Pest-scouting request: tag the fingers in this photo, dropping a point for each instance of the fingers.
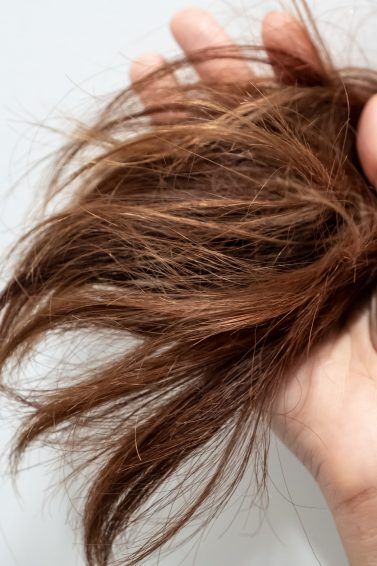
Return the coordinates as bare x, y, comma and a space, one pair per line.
145, 64
284, 34
194, 28
367, 139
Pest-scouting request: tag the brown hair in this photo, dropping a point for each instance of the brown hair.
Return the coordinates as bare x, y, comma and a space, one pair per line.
227, 240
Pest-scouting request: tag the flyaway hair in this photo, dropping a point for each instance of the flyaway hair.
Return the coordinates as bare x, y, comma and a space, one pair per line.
224, 241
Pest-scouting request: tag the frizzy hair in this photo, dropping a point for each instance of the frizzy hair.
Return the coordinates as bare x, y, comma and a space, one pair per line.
227, 239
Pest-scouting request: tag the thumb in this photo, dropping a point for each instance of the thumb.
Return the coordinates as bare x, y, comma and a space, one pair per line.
367, 139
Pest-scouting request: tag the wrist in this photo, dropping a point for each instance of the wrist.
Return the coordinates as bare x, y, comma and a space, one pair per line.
349, 486
351, 493
356, 521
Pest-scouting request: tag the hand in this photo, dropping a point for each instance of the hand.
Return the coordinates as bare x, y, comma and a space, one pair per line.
327, 413
194, 28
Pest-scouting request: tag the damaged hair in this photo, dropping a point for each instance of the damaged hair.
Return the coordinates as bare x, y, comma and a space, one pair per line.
224, 240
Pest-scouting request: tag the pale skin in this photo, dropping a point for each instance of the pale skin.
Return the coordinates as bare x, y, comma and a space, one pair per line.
327, 413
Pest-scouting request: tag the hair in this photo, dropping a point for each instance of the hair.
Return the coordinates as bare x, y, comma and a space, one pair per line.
223, 241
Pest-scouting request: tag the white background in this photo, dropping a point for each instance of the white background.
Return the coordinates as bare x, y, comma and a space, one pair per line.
57, 59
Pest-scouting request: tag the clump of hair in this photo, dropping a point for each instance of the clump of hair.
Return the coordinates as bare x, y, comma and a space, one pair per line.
227, 240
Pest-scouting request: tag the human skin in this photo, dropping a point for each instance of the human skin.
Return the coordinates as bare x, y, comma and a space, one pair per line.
327, 412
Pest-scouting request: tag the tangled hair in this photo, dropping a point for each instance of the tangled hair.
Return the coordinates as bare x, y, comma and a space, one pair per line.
224, 241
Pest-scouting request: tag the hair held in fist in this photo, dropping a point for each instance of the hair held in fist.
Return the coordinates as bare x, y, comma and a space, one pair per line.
222, 233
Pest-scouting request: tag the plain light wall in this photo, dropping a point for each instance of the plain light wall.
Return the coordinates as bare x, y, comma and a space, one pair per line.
57, 59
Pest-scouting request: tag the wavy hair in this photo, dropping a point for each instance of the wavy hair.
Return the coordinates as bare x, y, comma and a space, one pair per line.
224, 241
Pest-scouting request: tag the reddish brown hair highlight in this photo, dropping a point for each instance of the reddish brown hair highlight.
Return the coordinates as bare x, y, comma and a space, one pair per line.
229, 239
